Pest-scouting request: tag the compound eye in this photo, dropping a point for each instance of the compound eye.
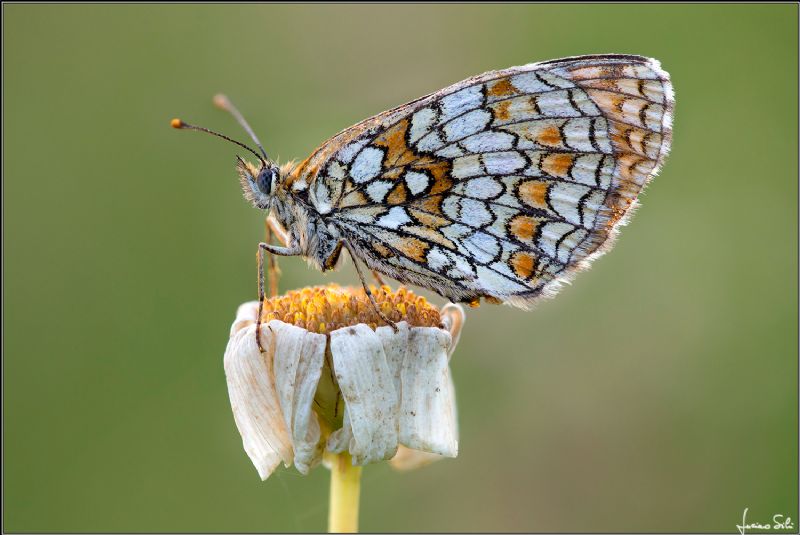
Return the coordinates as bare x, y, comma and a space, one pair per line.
264, 181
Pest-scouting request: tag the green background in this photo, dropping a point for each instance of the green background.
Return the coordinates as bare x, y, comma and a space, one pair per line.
658, 392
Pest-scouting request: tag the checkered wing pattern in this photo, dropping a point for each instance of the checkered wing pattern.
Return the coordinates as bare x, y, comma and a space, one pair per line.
503, 185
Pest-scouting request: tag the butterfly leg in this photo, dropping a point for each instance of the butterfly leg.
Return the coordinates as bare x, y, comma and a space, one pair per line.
274, 249
279, 231
275, 228
367, 291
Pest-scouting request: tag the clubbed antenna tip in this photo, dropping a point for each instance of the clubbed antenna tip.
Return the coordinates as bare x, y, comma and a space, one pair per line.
180, 125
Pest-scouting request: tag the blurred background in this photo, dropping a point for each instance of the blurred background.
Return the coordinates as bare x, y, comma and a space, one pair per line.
657, 393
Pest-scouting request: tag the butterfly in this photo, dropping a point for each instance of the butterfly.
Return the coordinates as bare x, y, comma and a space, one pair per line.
502, 186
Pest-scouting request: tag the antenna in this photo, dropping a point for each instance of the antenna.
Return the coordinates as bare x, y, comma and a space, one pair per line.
223, 102
180, 125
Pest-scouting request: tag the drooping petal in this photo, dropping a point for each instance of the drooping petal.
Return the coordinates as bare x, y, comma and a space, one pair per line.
395, 347
254, 400
453, 318
408, 459
427, 407
299, 355
367, 385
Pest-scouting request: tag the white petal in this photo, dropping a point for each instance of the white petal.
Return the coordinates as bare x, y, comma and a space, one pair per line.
395, 347
251, 388
427, 410
298, 359
367, 387
453, 318
408, 459
245, 315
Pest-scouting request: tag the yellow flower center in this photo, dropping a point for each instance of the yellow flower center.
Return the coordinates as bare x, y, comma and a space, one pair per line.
323, 309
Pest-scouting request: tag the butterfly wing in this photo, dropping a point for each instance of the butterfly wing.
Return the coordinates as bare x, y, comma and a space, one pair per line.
503, 185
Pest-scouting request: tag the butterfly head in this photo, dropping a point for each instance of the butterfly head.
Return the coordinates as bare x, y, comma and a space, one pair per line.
258, 183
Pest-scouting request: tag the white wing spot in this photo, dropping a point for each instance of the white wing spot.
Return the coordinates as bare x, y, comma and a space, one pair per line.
467, 166
396, 217
467, 124
503, 163
322, 197
496, 283
475, 212
450, 151
601, 135
456, 231
585, 169
346, 154
378, 189
463, 270
483, 187
590, 208
488, 141
570, 243
367, 165
551, 233
450, 207
437, 259
430, 142
584, 103
554, 80
576, 135
556, 104
529, 83
335, 170
564, 197
362, 214
481, 246
421, 123
416, 182
460, 102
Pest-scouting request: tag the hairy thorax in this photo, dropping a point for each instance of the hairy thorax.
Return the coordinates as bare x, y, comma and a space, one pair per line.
319, 240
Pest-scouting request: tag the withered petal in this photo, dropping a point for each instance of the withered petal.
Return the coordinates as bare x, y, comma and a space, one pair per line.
298, 359
367, 386
427, 408
254, 400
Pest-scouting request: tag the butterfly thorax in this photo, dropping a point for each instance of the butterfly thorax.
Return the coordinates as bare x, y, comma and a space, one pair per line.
319, 241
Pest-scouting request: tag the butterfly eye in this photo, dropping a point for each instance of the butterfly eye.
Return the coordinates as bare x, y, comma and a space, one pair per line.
264, 180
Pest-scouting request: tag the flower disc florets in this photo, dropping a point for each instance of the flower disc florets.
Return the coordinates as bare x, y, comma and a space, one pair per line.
323, 309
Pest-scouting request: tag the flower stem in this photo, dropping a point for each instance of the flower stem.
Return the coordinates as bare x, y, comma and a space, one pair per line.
345, 491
